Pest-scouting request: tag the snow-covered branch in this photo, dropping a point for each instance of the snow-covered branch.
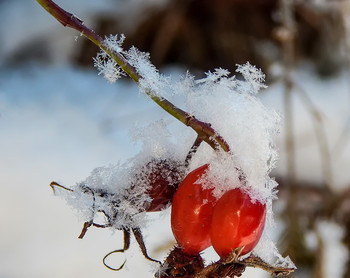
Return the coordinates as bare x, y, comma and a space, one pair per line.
203, 129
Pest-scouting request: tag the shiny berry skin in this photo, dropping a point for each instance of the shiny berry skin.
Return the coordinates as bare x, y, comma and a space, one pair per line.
191, 213
236, 222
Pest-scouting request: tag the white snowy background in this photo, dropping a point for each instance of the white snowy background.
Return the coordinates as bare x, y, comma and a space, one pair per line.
58, 122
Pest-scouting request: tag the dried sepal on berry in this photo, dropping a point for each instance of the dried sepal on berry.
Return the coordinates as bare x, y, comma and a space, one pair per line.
124, 193
161, 177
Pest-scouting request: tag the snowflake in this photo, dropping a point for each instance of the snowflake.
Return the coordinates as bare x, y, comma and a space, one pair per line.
105, 64
254, 76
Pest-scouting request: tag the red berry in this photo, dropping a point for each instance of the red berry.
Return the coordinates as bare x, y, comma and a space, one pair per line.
191, 213
236, 222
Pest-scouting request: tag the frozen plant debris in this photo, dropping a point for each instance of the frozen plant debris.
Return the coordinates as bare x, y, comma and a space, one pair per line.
124, 193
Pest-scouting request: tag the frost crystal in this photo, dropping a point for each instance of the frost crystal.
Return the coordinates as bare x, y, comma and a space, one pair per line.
151, 82
105, 64
254, 76
213, 77
107, 67
114, 43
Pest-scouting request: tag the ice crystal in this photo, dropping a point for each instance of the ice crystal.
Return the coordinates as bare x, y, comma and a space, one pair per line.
115, 43
105, 64
255, 77
151, 81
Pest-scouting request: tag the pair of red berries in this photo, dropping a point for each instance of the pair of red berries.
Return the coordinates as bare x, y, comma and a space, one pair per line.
198, 220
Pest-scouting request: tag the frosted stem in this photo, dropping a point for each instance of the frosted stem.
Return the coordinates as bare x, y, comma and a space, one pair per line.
204, 130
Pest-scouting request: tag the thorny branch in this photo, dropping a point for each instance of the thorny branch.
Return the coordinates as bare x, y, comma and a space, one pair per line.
204, 130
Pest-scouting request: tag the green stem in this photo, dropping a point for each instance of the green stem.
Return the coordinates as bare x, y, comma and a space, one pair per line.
204, 130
